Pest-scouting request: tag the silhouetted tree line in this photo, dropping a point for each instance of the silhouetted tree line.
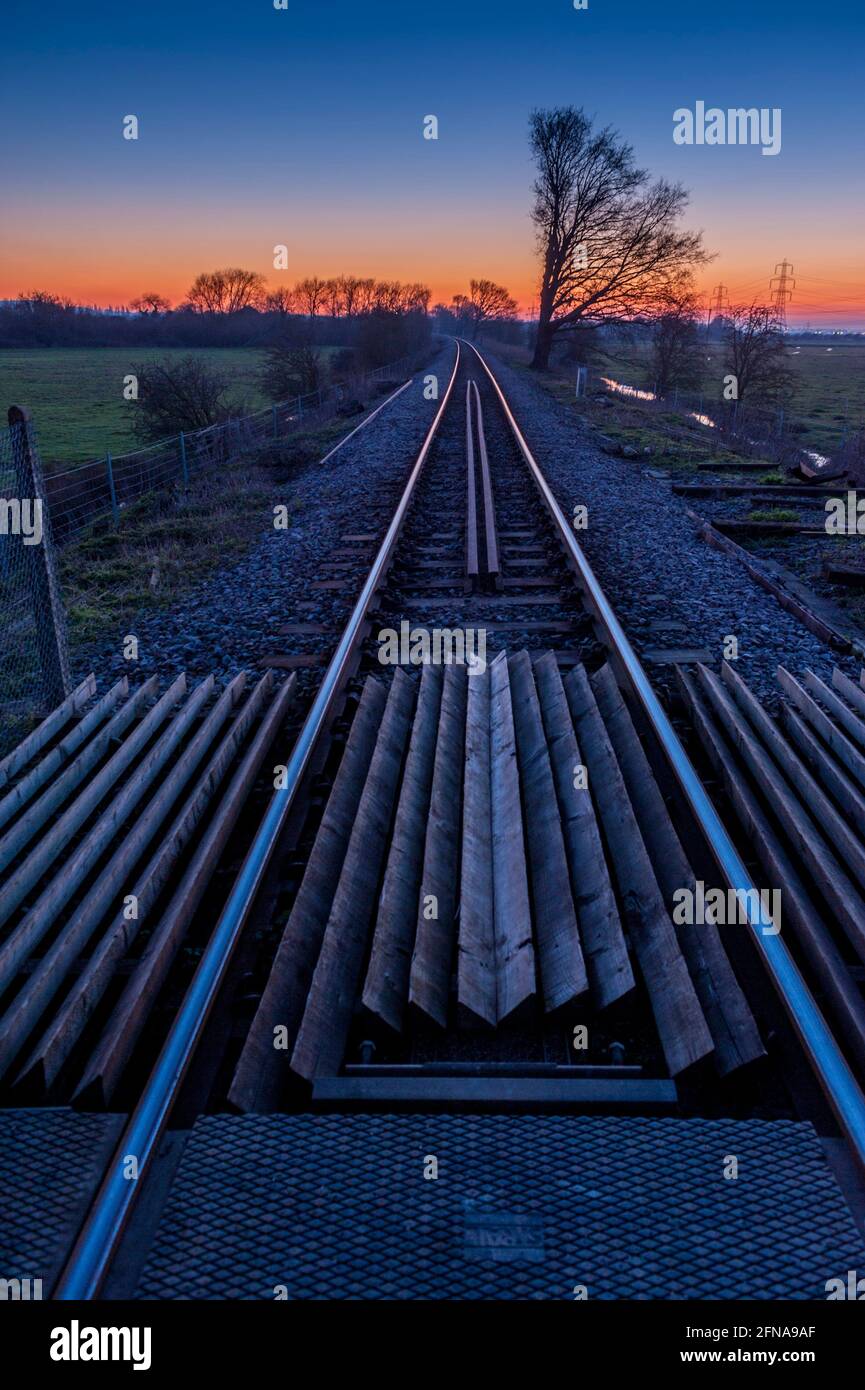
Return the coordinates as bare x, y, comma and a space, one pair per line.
231, 307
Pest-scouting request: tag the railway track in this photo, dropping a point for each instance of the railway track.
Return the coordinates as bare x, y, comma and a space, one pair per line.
455, 902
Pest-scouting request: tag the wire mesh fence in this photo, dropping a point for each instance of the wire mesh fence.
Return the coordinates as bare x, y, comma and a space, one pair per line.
77, 496
34, 666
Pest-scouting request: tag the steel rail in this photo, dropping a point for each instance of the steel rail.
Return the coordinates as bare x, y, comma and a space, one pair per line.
493, 566
89, 1261
828, 1062
472, 564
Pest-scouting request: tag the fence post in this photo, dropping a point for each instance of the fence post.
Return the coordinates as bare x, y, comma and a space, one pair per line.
114, 508
184, 470
49, 617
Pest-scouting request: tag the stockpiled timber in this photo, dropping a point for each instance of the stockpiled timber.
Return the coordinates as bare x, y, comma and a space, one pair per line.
821, 859
429, 979
479, 880
130, 1015
730, 1021
256, 1080
496, 975
600, 925
476, 960
109, 885
386, 987
512, 920
801, 807
327, 1016
129, 787
560, 958
681, 1025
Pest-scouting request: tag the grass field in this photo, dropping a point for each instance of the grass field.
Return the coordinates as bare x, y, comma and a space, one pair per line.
76, 394
829, 392
166, 544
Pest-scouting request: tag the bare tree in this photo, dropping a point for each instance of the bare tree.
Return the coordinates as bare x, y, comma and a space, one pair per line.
675, 344
486, 300
184, 394
309, 295
365, 296
45, 315
150, 303
334, 295
351, 295
387, 296
755, 353
415, 298
292, 364
608, 240
292, 367
226, 291
280, 302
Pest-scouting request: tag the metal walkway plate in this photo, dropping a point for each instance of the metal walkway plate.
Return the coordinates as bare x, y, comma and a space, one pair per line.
50, 1164
523, 1206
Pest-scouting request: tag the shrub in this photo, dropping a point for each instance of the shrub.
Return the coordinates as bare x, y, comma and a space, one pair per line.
291, 368
188, 394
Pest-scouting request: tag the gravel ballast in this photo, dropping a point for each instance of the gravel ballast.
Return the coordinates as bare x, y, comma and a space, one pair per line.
669, 589
230, 621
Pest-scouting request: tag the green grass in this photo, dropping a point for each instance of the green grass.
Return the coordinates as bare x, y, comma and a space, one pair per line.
772, 514
662, 438
165, 545
829, 388
76, 394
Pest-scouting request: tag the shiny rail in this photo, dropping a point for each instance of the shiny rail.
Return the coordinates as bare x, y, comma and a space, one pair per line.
103, 1227
85, 1270
827, 1061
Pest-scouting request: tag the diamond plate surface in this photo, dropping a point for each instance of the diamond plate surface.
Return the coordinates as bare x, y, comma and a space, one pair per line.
50, 1163
524, 1206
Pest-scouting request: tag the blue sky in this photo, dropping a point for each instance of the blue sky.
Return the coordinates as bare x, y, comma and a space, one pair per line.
303, 126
